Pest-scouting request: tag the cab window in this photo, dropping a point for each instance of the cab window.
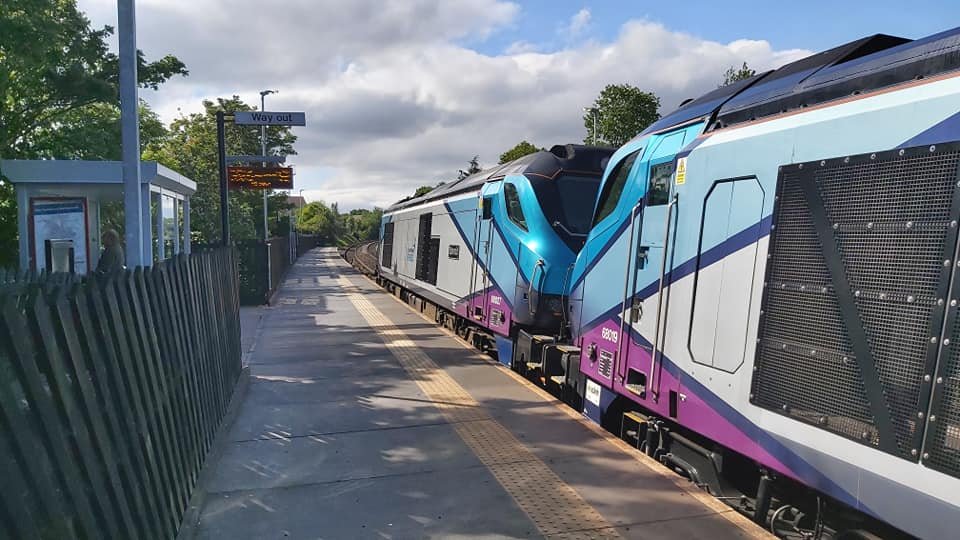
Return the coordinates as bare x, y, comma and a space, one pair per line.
658, 190
612, 190
514, 210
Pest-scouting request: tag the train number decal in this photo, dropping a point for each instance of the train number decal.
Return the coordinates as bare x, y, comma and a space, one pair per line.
496, 300
610, 335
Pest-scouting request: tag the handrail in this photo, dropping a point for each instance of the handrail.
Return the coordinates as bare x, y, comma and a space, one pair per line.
663, 272
568, 231
565, 297
530, 307
626, 285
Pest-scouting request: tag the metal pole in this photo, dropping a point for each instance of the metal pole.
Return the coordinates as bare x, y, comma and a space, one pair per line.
300, 217
130, 133
263, 152
224, 202
186, 225
176, 227
161, 237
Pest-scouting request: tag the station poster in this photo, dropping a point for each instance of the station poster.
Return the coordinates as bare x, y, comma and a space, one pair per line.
59, 219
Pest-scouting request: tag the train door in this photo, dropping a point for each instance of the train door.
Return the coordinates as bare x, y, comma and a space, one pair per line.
646, 300
480, 280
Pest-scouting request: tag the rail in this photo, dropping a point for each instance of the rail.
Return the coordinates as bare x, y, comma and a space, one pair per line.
363, 256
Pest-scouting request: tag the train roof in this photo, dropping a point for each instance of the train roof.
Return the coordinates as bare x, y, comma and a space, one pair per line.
575, 158
867, 64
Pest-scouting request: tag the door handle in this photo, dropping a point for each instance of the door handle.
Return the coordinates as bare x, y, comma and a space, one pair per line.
636, 310
643, 253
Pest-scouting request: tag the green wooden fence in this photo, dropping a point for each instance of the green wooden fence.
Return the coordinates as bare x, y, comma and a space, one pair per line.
111, 394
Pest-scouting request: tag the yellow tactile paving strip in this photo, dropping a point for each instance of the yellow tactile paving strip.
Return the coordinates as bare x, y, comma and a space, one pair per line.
553, 506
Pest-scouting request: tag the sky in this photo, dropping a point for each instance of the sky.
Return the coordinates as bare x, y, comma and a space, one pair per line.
399, 94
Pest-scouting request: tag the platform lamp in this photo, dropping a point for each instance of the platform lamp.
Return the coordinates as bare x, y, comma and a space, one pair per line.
263, 152
300, 217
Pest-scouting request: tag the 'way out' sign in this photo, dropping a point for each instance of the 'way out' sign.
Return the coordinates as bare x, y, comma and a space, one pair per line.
268, 118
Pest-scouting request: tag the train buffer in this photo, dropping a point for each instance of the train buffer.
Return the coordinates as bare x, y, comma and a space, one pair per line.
362, 419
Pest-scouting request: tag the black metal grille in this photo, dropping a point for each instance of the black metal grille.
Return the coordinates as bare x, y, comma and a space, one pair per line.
888, 224
942, 447
387, 254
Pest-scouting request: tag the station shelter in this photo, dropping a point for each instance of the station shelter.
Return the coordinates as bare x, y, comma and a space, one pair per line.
60, 203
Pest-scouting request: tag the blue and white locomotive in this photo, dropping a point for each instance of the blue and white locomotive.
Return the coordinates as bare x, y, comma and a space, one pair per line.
765, 287
496, 248
770, 278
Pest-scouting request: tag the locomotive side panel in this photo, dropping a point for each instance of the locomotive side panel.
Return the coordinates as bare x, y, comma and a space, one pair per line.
713, 397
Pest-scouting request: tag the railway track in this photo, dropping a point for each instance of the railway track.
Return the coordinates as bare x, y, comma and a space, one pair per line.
363, 256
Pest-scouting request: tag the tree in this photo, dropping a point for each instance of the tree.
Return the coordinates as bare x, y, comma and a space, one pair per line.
58, 88
473, 167
317, 218
733, 74
53, 63
191, 149
522, 148
620, 112
423, 190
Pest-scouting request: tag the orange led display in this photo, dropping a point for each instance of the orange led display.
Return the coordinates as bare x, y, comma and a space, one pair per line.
260, 177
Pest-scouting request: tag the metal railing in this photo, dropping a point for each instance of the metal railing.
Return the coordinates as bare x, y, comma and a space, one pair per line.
111, 392
264, 264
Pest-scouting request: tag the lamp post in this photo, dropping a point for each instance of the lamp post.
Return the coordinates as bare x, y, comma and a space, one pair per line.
137, 253
300, 217
263, 152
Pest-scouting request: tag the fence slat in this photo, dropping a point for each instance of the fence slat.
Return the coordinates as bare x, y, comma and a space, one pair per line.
95, 332
53, 432
157, 386
16, 515
111, 393
75, 361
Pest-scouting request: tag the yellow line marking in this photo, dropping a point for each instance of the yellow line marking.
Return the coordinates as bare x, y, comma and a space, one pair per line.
553, 506
751, 529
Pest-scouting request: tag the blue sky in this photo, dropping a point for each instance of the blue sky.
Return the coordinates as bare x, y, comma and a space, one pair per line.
402, 93
808, 24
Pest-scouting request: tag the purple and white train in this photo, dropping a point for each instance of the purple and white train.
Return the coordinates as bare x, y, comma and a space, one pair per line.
767, 298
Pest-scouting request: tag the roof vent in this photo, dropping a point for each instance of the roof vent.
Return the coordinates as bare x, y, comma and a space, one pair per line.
563, 151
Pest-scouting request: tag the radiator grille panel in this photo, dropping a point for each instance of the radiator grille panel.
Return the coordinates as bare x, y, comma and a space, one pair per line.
892, 222
942, 448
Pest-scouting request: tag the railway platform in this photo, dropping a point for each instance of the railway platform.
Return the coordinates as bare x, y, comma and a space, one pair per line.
364, 420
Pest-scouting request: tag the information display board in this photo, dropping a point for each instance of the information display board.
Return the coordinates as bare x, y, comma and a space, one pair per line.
260, 177
60, 219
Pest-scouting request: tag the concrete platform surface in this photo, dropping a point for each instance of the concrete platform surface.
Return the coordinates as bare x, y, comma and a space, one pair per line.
364, 420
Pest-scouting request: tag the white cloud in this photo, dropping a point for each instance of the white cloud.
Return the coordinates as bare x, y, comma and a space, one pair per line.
520, 47
394, 99
579, 22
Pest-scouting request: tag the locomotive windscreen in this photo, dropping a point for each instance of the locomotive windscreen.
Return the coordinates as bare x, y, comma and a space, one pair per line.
567, 202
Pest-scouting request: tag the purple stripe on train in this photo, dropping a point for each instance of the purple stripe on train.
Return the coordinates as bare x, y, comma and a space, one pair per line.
488, 308
698, 408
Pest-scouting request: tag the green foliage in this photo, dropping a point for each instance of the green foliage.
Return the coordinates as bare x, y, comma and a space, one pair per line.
360, 225
191, 149
53, 63
620, 112
317, 218
733, 74
473, 166
522, 148
58, 93
423, 190
341, 229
